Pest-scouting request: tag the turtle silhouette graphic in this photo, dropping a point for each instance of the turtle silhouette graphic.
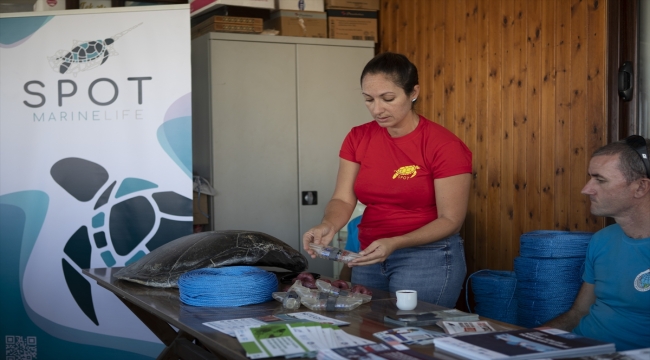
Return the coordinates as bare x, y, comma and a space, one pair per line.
85, 55
131, 218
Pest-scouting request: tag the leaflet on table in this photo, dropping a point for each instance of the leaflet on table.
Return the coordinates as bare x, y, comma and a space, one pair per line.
377, 351
230, 326
294, 339
638, 354
538, 343
459, 327
409, 335
430, 317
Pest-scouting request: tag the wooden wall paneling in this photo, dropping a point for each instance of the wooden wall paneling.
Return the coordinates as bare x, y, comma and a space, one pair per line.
411, 26
481, 149
460, 60
563, 114
404, 23
507, 154
519, 134
596, 119
449, 66
438, 9
533, 114
471, 76
387, 20
494, 134
548, 114
578, 89
425, 65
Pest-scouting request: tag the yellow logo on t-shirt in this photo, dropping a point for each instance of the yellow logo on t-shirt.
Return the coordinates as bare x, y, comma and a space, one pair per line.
406, 172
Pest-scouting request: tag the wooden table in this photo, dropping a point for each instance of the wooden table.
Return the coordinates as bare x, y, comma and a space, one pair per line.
160, 309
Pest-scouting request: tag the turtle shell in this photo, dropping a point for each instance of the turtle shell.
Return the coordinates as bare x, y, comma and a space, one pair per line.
163, 266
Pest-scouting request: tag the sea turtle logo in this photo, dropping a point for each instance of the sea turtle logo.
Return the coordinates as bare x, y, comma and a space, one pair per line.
130, 219
406, 172
85, 55
642, 281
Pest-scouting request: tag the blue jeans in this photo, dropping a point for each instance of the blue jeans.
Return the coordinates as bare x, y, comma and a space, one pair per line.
436, 270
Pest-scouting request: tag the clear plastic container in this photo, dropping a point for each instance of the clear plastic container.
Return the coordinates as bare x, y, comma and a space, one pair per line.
333, 290
303, 291
328, 302
334, 253
290, 300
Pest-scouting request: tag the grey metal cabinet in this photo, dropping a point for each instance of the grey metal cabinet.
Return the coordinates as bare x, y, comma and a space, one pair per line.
269, 116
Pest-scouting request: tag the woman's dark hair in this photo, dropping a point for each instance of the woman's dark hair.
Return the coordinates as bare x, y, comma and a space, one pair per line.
397, 67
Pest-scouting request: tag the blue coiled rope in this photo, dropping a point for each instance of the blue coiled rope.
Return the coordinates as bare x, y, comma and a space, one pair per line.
554, 244
227, 286
494, 292
549, 274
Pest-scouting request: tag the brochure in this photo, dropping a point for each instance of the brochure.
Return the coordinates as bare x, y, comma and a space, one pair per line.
231, 326
412, 318
638, 354
459, 327
375, 352
408, 336
294, 339
535, 343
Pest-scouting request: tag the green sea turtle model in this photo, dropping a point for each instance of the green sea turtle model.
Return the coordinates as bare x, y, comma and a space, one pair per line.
85, 55
163, 266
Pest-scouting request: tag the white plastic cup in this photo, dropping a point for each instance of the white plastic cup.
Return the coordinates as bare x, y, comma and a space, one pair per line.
406, 299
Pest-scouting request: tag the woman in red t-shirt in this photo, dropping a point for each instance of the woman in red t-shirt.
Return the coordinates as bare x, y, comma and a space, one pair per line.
414, 177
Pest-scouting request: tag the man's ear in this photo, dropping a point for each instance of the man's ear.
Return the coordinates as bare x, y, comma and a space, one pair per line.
643, 189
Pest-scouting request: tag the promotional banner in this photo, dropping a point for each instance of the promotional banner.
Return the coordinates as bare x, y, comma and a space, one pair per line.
95, 171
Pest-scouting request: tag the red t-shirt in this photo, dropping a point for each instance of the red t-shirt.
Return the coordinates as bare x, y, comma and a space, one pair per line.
395, 180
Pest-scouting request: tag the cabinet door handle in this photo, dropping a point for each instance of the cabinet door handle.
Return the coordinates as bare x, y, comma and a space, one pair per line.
625, 81
310, 197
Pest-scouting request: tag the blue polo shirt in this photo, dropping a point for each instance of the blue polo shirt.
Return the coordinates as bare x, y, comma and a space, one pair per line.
619, 269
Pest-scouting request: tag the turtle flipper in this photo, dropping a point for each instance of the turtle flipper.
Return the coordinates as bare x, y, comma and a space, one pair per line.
64, 67
105, 57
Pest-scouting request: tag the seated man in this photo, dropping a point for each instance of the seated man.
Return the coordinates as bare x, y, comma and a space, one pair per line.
613, 304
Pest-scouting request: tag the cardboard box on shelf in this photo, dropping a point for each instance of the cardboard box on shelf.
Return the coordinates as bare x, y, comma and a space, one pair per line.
229, 10
352, 24
353, 4
201, 6
298, 23
228, 24
200, 218
310, 5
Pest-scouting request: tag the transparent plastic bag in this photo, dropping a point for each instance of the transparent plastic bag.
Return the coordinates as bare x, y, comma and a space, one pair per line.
328, 302
333, 290
334, 253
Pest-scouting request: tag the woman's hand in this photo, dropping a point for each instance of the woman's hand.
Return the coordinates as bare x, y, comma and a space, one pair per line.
319, 235
377, 251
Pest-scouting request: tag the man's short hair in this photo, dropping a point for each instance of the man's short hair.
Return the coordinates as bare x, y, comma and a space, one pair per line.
630, 162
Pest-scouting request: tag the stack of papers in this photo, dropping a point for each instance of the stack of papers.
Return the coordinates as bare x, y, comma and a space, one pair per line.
295, 334
376, 352
304, 339
539, 343
409, 335
459, 327
413, 318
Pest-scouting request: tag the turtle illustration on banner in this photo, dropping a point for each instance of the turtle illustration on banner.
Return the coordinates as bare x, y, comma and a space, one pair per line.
85, 55
131, 218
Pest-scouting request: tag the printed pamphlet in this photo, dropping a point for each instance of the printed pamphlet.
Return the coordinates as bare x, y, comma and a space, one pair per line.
376, 351
409, 335
538, 343
459, 327
232, 325
293, 339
